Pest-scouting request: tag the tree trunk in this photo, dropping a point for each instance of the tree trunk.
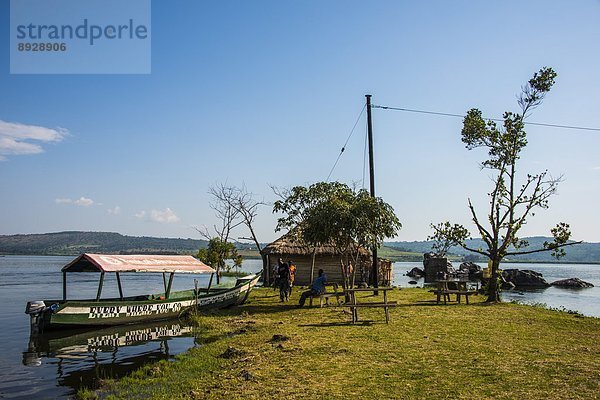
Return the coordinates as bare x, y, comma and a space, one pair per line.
266, 273
312, 266
343, 269
493, 285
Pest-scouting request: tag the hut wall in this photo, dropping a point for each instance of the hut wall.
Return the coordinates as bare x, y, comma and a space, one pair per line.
329, 263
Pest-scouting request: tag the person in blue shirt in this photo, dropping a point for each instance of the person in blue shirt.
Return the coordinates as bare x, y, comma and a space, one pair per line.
317, 288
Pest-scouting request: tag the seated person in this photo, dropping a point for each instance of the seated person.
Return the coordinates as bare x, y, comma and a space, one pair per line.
317, 288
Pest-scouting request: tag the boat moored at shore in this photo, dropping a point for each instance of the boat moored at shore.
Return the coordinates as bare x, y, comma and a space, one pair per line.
67, 313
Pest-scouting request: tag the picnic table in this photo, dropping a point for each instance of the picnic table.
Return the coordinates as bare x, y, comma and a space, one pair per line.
458, 287
354, 305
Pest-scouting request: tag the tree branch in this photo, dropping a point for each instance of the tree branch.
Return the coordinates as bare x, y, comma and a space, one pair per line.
516, 253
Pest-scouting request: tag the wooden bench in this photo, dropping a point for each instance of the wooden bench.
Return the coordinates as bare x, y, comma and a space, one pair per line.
354, 305
324, 297
447, 292
459, 287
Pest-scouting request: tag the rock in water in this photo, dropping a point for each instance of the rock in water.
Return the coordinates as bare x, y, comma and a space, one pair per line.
469, 266
524, 278
572, 283
416, 272
474, 270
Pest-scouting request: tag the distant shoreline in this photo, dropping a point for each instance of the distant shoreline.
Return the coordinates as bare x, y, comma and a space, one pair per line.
257, 257
73, 243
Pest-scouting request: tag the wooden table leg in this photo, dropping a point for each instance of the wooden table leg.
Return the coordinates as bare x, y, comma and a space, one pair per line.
355, 309
387, 310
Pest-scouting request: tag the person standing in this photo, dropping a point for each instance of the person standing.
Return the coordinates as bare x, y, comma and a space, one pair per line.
275, 273
292, 268
284, 281
317, 288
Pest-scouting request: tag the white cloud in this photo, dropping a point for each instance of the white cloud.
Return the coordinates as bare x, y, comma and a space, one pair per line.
164, 217
596, 169
140, 215
20, 139
114, 211
63, 201
82, 201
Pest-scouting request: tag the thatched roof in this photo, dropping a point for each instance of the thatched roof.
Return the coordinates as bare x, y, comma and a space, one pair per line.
289, 244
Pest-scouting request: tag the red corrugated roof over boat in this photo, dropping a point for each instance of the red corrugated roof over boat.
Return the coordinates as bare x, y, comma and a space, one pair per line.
137, 263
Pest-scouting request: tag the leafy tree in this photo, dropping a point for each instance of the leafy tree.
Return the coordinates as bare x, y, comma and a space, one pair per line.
331, 213
512, 200
217, 252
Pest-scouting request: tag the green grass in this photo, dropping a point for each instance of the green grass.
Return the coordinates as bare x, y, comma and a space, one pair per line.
502, 351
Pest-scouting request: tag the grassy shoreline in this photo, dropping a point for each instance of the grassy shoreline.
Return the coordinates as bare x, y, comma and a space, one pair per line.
267, 349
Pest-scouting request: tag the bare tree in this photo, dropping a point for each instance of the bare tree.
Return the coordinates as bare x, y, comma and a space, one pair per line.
228, 215
245, 203
234, 206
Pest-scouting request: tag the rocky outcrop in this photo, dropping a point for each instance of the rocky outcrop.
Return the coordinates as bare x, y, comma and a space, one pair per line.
435, 267
416, 272
470, 267
524, 278
474, 270
572, 283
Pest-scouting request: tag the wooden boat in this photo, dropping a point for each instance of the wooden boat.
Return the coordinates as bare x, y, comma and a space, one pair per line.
67, 313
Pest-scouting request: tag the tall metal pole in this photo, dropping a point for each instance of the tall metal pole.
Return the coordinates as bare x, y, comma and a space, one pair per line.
375, 271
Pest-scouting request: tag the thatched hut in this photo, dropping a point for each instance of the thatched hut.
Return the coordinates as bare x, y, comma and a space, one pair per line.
309, 260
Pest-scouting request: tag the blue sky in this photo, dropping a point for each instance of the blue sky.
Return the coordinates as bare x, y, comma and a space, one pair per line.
265, 93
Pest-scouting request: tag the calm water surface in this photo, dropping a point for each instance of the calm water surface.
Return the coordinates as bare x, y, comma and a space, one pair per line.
585, 301
57, 365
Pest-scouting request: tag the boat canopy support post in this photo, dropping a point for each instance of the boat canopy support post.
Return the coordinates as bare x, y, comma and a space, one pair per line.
210, 282
165, 281
100, 286
168, 292
120, 287
64, 285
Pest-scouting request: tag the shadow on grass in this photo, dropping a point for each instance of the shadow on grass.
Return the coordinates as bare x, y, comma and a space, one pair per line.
430, 303
253, 308
340, 323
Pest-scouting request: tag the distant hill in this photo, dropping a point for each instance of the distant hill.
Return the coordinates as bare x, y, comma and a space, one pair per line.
581, 253
74, 243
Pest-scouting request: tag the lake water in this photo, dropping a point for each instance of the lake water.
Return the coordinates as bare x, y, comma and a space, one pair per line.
57, 365
585, 301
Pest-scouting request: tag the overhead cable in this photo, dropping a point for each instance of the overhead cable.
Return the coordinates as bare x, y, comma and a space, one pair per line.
347, 140
583, 128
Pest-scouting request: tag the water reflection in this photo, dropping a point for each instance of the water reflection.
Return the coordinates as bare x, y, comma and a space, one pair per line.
84, 357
